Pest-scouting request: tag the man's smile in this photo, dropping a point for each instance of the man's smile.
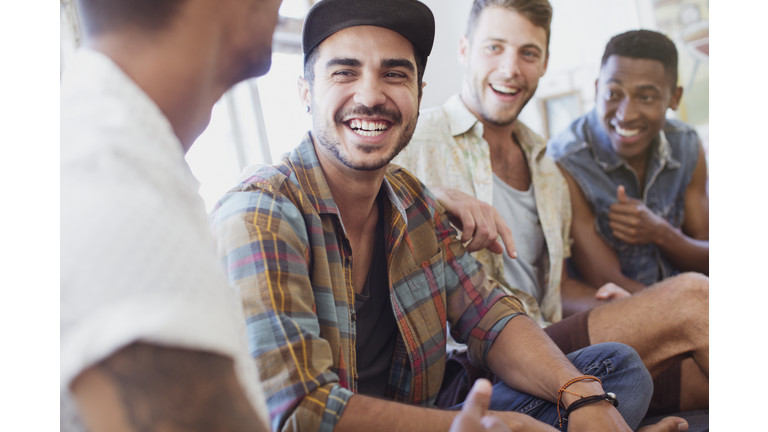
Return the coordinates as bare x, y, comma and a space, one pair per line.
368, 127
505, 89
629, 134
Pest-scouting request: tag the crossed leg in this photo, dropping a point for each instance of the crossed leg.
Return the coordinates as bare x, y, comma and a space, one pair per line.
665, 323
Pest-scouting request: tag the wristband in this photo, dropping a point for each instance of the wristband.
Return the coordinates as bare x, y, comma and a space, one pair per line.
610, 397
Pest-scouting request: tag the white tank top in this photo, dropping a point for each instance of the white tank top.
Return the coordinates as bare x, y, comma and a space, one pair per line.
519, 211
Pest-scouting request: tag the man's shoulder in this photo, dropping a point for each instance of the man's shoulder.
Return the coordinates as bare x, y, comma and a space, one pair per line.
261, 187
681, 135
569, 141
432, 127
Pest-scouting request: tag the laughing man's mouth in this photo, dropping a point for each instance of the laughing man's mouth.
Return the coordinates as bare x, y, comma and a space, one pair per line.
368, 128
504, 89
626, 133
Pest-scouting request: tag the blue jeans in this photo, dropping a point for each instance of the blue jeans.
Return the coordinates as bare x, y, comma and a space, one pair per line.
617, 365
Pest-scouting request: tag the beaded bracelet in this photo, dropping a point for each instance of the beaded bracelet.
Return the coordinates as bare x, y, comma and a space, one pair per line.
565, 386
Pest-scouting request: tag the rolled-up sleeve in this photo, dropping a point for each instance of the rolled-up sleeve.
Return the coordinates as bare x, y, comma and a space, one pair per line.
478, 309
262, 240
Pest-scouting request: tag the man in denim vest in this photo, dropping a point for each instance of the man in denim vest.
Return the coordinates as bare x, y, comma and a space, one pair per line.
638, 181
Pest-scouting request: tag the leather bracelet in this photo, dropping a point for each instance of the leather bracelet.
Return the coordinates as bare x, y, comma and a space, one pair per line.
578, 403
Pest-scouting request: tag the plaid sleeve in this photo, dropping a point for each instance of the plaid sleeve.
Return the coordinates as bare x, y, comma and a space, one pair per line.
478, 309
262, 239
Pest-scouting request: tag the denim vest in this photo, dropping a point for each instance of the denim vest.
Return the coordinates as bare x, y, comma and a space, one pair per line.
586, 153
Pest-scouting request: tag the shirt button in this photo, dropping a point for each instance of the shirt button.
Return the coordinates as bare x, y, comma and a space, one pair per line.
354, 317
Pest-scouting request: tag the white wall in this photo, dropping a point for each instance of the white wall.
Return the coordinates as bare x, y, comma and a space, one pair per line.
580, 30
444, 72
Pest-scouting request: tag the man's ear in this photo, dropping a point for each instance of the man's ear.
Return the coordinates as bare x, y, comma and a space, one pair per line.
304, 94
674, 103
421, 93
596, 81
463, 50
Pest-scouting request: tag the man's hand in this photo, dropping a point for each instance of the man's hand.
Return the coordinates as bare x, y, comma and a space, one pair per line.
634, 223
477, 220
611, 291
474, 416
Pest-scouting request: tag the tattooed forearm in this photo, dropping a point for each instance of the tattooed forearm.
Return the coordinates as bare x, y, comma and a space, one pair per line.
170, 389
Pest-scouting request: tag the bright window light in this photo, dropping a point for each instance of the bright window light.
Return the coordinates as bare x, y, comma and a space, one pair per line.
286, 118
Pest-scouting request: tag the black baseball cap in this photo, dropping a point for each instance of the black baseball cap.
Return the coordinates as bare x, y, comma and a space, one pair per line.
410, 18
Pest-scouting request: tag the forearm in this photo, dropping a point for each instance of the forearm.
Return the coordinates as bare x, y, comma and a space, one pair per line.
369, 414
600, 270
526, 359
686, 253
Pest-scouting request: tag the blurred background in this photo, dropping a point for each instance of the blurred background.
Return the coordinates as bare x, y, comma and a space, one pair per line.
260, 119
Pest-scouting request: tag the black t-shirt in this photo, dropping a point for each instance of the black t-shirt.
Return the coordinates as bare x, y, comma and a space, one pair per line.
376, 326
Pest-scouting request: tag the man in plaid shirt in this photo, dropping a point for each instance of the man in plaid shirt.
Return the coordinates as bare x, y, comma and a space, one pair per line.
351, 274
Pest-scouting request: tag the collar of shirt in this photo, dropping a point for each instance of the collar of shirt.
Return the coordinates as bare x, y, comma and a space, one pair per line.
311, 179
462, 121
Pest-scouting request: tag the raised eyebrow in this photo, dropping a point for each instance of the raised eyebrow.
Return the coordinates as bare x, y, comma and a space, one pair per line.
614, 80
398, 62
343, 62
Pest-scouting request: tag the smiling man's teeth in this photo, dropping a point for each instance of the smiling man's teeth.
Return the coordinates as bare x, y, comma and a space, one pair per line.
504, 89
368, 128
627, 133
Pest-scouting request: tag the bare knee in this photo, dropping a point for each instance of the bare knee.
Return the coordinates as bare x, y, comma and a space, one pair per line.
688, 292
693, 289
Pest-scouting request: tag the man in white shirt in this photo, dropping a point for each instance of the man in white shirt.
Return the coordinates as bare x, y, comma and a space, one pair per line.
152, 337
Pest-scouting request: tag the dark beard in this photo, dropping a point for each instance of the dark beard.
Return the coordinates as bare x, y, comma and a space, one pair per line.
327, 140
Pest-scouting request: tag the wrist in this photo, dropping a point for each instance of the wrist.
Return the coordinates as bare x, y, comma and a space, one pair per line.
664, 233
583, 388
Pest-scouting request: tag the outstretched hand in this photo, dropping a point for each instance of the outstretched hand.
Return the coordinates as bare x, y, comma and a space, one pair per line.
633, 222
477, 220
474, 414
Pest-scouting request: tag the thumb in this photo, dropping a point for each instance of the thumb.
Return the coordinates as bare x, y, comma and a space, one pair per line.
621, 194
479, 398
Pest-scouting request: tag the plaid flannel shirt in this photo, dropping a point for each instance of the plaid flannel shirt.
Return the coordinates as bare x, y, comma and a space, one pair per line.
285, 250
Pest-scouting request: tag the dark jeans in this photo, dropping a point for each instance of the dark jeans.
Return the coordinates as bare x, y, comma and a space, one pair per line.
617, 365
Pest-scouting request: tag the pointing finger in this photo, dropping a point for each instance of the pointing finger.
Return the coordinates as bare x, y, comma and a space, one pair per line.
506, 235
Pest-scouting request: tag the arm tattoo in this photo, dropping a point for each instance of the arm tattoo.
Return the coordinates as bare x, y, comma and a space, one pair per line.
171, 388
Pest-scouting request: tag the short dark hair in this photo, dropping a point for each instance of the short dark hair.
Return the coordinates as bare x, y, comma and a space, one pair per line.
645, 44
311, 58
104, 15
538, 12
